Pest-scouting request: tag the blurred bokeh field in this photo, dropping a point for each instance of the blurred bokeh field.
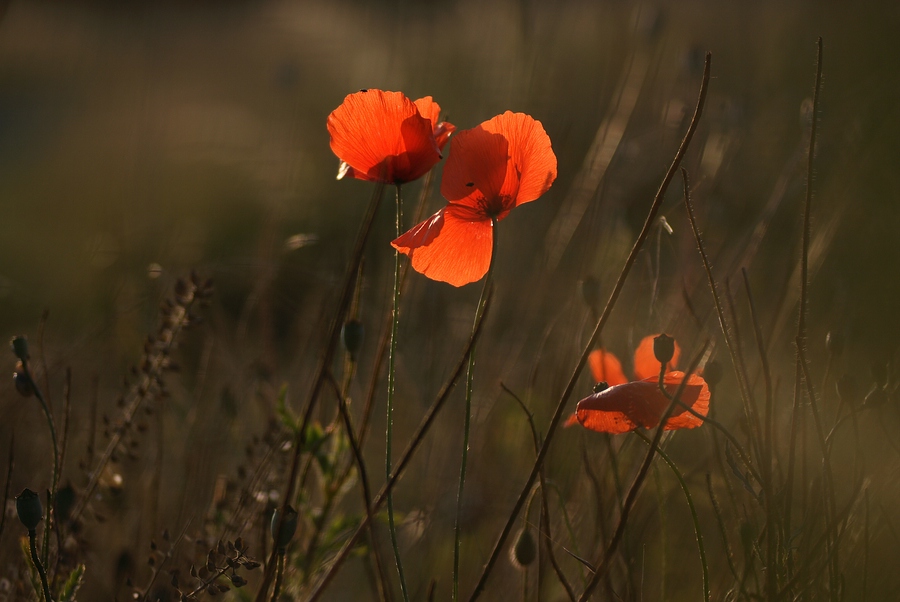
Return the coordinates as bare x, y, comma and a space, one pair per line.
142, 140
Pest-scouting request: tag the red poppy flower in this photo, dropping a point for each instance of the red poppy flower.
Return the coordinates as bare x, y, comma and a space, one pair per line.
623, 408
645, 363
605, 368
385, 137
503, 163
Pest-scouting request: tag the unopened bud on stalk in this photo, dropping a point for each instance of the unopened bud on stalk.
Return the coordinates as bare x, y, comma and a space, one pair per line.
19, 346
352, 337
663, 348
23, 383
288, 526
712, 373
524, 550
29, 509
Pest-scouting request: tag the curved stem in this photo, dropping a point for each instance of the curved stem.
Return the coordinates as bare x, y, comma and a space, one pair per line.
392, 377
32, 539
470, 375
54, 480
690, 502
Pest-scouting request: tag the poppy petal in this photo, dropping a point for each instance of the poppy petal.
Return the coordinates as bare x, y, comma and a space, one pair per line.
625, 407
474, 173
449, 248
533, 166
606, 367
571, 421
695, 396
432, 111
382, 137
645, 363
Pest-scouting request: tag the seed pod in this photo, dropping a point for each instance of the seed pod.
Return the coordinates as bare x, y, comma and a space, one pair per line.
712, 373
29, 509
352, 337
524, 550
23, 384
288, 526
663, 348
20, 347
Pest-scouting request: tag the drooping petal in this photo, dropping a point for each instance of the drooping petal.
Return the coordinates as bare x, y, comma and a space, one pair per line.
636, 404
645, 362
449, 248
533, 163
383, 137
432, 111
474, 173
606, 367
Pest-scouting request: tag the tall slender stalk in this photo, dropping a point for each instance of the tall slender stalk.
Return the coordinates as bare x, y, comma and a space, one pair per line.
392, 376
470, 375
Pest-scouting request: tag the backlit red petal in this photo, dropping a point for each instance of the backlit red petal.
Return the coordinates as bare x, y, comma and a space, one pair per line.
432, 111
383, 137
447, 248
606, 367
645, 362
641, 404
475, 171
533, 163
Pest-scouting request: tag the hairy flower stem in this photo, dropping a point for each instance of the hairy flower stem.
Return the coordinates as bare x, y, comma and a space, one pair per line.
54, 479
470, 376
32, 540
392, 381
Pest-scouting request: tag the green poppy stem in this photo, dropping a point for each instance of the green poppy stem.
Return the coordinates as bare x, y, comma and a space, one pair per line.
388, 437
470, 375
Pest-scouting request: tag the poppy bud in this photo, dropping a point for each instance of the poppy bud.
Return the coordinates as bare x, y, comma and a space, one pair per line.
590, 292
20, 347
288, 526
23, 384
712, 373
663, 348
352, 337
834, 343
29, 509
524, 550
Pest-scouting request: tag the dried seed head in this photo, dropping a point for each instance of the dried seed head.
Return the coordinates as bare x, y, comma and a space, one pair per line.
663, 348
29, 509
524, 550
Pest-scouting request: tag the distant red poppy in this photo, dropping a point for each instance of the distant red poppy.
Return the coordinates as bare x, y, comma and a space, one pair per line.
623, 408
503, 163
645, 363
605, 368
385, 137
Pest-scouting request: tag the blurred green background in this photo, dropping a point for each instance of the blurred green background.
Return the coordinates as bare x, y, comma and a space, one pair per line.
140, 140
